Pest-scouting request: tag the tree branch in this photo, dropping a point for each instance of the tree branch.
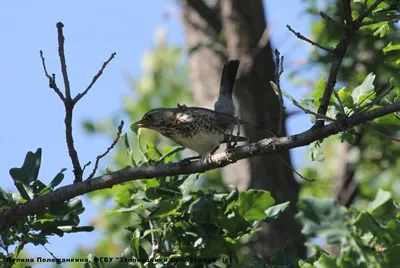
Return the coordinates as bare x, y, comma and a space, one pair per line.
96, 165
69, 103
339, 53
63, 62
302, 37
52, 80
99, 73
278, 72
10, 216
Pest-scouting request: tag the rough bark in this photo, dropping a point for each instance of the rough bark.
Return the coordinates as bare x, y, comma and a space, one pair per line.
243, 23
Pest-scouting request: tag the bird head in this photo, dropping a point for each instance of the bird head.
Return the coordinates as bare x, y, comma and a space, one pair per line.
156, 119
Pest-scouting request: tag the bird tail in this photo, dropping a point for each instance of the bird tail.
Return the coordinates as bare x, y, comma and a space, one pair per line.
228, 77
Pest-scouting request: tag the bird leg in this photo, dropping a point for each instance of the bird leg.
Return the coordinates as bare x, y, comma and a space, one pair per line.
188, 160
228, 144
208, 157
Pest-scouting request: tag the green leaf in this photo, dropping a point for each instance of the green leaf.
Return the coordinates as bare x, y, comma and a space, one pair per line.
135, 244
302, 106
345, 98
284, 257
201, 209
382, 30
6, 199
321, 217
253, 203
315, 153
189, 184
57, 179
129, 150
123, 199
274, 211
354, 15
361, 94
319, 92
392, 256
389, 121
30, 169
390, 47
381, 198
166, 208
169, 154
152, 152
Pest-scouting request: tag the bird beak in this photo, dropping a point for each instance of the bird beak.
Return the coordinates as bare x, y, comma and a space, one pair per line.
139, 124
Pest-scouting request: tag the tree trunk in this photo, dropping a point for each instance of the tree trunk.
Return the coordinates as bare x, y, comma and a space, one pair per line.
243, 23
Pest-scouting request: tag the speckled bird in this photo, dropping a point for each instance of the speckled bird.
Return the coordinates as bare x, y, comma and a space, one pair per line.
199, 129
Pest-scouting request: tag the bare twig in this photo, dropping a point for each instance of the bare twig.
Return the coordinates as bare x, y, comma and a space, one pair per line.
85, 166
63, 62
69, 103
58, 261
96, 165
329, 18
52, 79
278, 72
302, 37
10, 216
99, 73
298, 174
155, 241
69, 106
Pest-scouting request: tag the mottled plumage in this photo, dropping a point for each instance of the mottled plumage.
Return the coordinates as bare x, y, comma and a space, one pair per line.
199, 129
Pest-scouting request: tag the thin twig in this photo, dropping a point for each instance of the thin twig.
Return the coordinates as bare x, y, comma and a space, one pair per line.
367, 12
52, 80
63, 62
393, 18
58, 261
278, 72
155, 241
96, 165
329, 18
289, 166
99, 73
85, 166
376, 130
302, 37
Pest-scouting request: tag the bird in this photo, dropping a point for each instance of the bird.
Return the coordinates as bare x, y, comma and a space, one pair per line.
224, 103
200, 129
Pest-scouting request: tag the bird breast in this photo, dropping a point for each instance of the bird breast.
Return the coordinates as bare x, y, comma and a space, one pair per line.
202, 142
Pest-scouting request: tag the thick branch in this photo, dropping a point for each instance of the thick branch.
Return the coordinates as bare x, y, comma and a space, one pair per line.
10, 216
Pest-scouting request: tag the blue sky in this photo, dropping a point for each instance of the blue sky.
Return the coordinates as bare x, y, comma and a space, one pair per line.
32, 114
